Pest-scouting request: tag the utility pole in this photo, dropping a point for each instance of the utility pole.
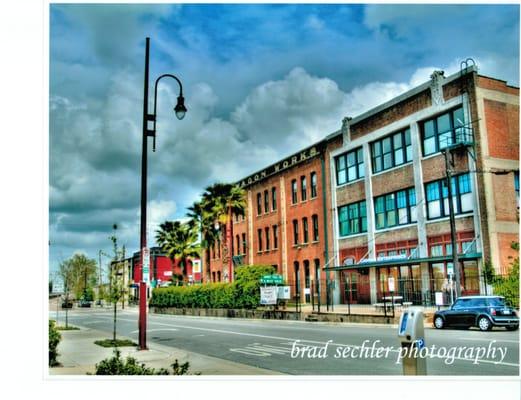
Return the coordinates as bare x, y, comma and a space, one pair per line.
448, 172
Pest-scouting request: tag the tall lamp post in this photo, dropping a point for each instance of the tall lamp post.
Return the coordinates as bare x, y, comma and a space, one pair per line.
180, 111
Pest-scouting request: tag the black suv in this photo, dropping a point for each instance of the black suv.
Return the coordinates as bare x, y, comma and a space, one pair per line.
481, 311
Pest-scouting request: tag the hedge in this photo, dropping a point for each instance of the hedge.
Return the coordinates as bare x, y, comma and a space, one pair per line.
242, 293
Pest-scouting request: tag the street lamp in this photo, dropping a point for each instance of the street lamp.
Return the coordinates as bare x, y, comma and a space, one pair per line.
180, 111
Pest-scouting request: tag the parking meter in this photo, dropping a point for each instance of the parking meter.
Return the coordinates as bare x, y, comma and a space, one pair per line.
412, 340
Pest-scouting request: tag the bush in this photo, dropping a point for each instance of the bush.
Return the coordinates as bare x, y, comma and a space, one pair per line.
242, 293
117, 366
54, 340
508, 286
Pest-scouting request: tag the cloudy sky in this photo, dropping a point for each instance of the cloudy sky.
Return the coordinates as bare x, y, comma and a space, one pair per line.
260, 82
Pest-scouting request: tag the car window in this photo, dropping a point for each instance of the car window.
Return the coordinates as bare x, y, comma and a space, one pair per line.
461, 303
478, 302
496, 302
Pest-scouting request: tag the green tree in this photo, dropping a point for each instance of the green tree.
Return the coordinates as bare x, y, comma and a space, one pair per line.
201, 218
222, 201
179, 241
508, 286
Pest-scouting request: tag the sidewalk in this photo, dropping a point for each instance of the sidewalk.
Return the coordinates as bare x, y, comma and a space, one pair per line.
78, 355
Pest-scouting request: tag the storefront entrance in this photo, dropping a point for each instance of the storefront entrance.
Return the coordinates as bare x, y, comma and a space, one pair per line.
356, 287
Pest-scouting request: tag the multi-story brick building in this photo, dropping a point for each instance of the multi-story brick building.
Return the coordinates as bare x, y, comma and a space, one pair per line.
286, 223
389, 199
370, 202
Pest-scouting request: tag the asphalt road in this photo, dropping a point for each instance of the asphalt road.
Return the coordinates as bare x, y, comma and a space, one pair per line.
299, 348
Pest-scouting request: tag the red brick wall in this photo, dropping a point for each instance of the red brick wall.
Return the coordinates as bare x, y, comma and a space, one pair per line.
434, 168
496, 84
396, 112
505, 197
350, 193
394, 180
506, 253
503, 129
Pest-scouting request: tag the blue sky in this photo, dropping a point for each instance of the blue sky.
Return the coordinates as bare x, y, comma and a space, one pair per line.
260, 82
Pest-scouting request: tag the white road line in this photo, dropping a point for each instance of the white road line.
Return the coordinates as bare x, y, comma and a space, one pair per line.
155, 330
490, 340
306, 340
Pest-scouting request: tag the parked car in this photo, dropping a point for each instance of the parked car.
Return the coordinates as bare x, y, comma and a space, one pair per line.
483, 312
66, 304
84, 303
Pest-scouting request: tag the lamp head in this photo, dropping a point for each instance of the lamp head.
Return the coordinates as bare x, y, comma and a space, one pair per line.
180, 109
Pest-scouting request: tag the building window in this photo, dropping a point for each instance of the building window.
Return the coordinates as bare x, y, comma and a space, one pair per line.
516, 187
313, 185
303, 188
352, 218
294, 191
315, 227
398, 208
266, 202
295, 231
219, 249
259, 204
442, 131
275, 237
259, 236
238, 245
273, 198
349, 166
391, 151
305, 229
267, 232
437, 196
243, 243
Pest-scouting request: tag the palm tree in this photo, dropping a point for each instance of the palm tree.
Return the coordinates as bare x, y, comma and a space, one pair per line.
222, 201
179, 241
201, 220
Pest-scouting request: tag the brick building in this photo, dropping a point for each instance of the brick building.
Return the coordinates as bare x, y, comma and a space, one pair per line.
286, 223
389, 203
370, 202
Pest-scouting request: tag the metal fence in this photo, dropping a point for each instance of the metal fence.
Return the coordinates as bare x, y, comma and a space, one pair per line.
360, 296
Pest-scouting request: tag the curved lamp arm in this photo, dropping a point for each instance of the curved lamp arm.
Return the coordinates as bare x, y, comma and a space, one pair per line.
180, 109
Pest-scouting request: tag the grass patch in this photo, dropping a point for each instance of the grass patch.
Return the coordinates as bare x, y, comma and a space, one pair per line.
68, 328
117, 343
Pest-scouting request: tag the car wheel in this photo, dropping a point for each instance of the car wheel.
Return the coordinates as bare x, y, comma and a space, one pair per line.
484, 324
512, 328
439, 323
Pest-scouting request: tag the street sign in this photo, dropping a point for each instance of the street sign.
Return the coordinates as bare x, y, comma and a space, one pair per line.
274, 279
438, 298
450, 269
268, 295
57, 287
391, 284
284, 292
146, 264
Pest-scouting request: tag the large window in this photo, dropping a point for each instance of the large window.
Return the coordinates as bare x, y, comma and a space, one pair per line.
315, 227
352, 218
243, 243
303, 188
295, 231
313, 184
273, 198
391, 151
305, 230
267, 232
398, 208
259, 237
349, 166
442, 131
266, 202
294, 191
259, 204
275, 236
437, 196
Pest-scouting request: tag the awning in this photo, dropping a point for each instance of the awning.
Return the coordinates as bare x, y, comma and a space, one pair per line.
404, 261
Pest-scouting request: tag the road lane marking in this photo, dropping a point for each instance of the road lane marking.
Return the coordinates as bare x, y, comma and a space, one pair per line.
159, 329
227, 332
490, 340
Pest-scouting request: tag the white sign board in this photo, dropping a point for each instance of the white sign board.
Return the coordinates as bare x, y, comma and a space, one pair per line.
438, 298
307, 290
146, 264
450, 269
268, 295
284, 292
57, 287
196, 266
391, 284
